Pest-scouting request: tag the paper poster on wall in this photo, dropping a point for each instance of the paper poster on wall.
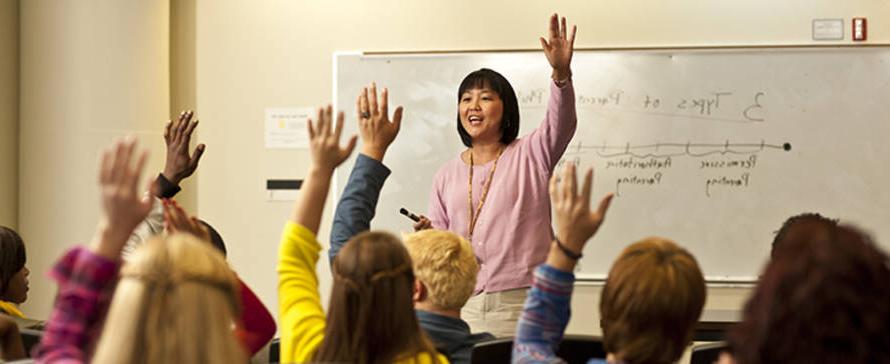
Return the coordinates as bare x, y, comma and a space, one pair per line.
286, 127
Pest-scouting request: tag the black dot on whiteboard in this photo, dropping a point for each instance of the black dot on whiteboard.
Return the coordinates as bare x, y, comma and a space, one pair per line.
786, 146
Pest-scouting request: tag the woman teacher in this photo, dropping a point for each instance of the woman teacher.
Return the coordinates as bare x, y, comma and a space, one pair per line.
495, 193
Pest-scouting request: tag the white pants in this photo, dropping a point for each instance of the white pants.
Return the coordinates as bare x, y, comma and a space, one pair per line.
496, 313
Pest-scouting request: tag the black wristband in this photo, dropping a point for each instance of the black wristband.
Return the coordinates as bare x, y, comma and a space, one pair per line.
166, 189
568, 252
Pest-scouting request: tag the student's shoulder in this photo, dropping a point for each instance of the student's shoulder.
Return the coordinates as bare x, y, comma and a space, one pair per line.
426, 358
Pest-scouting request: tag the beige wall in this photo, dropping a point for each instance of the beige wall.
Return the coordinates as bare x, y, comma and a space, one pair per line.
9, 112
91, 71
258, 54
182, 82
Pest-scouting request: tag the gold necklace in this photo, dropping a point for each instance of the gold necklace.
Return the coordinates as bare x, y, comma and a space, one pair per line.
474, 216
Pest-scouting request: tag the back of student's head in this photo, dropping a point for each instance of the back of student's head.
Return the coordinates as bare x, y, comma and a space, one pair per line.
12, 261
175, 303
804, 218
216, 239
823, 298
650, 304
446, 265
371, 313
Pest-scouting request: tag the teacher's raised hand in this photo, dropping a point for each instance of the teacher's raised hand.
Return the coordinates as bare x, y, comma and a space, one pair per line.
559, 48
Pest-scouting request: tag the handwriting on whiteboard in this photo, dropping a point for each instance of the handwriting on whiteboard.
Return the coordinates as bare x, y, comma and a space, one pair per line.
716, 106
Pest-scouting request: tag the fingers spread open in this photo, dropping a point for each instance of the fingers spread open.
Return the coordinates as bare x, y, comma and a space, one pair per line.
372, 99
350, 146
339, 128
121, 159
106, 164
183, 121
554, 26
397, 117
187, 136
135, 174
358, 108
363, 103
167, 130
586, 189
384, 103
328, 120
319, 123
571, 182
310, 129
572, 36
196, 157
604, 206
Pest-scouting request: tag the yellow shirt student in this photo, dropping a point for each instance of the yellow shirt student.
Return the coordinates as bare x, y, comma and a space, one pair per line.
302, 318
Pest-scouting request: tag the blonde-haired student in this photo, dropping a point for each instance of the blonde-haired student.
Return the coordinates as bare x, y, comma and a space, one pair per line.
446, 267
150, 320
181, 274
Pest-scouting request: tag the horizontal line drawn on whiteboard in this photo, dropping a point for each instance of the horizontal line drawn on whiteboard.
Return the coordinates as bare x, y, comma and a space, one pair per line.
627, 149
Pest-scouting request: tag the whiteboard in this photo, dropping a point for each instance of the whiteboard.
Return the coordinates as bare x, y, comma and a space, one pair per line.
711, 148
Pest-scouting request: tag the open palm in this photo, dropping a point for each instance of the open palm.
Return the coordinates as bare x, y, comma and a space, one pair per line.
559, 47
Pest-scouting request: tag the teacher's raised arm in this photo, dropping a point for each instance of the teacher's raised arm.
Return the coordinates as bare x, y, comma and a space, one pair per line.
494, 192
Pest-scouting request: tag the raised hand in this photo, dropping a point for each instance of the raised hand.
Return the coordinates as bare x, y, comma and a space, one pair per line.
176, 220
559, 47
375, 128
177, 135
327, 154
575, 222
124, 206
324, 143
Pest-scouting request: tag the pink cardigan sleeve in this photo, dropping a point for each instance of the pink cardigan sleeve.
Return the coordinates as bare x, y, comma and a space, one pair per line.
549, 141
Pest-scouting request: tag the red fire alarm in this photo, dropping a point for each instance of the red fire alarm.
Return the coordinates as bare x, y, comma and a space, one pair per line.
860, 29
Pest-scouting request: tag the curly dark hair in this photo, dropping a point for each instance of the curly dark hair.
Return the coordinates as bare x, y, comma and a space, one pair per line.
809, 217
823, 298
12, 256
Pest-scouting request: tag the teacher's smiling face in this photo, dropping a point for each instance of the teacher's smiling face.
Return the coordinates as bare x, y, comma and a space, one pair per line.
487, 109
481, 111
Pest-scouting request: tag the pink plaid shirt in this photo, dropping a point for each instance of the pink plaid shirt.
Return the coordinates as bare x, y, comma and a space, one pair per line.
86, 285
513, 232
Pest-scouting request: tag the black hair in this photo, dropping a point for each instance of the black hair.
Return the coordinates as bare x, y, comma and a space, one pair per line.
215, 239
485, 77
12, 256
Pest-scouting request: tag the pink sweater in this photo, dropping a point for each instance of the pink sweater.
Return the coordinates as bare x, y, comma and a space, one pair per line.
513, 232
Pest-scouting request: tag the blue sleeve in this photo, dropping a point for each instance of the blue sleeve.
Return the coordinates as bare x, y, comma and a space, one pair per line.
544, 317
358, 203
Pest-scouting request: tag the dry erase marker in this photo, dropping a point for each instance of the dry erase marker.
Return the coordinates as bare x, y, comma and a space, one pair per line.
411, 216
